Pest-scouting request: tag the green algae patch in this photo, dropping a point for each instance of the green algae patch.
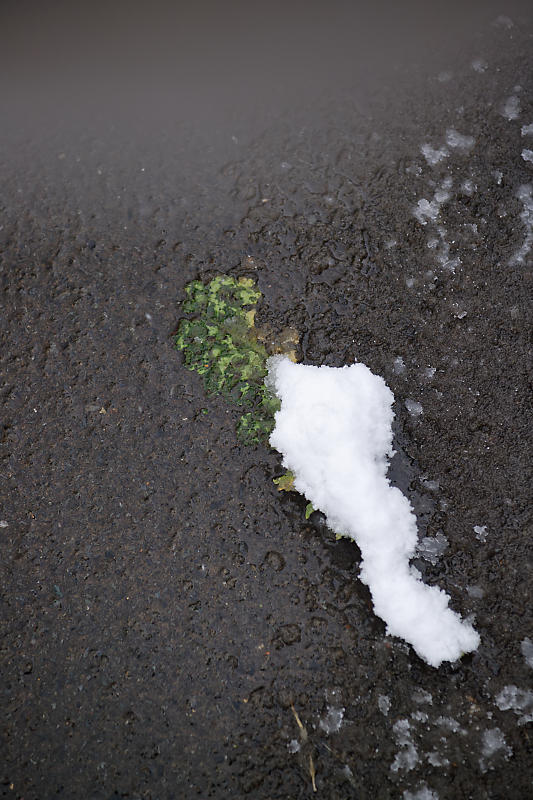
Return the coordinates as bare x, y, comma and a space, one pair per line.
220, 342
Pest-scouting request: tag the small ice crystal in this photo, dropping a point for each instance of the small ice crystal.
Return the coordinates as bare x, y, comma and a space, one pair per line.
431, 548
432, 155
511, 108
481, 532
384, 704
332, 721
527, 651
518, 700
459, 140
424, 793
413, 407
407, 757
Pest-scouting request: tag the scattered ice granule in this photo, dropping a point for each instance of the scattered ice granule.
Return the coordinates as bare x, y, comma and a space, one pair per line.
4, 523
436, 760
399, 366
518, 700
420, 696
481, 532
407, 757
409, 282
498, 176
293, 746
527, 651
424, 793
426, 209
429, 372
475, 591
467, 187
419, 716
493, 742
334, 429
527, 130
479, 65
527, 155
413, 407
511, 108
432, 155
431, 548
458, 312
524, 194
384, 704
332, 721
432, 243
459, 140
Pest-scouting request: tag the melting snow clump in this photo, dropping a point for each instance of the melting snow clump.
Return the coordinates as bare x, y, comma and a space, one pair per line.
525, 195
527, 155
432, 155
527, 130
334, 430
493, 742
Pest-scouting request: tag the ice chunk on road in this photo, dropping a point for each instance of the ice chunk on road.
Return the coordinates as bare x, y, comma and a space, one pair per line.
527, 155
334, 430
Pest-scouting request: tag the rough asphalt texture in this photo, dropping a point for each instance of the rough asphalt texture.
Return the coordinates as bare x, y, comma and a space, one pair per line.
164, 608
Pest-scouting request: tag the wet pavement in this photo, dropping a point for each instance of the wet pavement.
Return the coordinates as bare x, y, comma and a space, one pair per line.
172, 626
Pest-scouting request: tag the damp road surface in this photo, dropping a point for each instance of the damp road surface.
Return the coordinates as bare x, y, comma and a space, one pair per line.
172, 625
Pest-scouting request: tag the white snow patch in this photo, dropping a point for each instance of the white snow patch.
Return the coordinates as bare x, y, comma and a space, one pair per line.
527, 130
407, 757
334, 430
332, 721
527, 651
518, 700
433, 155
459, 140
414, 407
527, 155
481, 532
293, 746
431, 548
4, 523
524, 194
424, 793
511, 108
419, 716
384, 704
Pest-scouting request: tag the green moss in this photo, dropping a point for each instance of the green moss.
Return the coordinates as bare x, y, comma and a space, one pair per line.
219, 342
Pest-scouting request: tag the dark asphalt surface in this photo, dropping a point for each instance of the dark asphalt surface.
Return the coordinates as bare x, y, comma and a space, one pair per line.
163, 606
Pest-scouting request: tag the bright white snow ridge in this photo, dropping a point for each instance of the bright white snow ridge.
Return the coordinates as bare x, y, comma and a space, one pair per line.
334, 430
